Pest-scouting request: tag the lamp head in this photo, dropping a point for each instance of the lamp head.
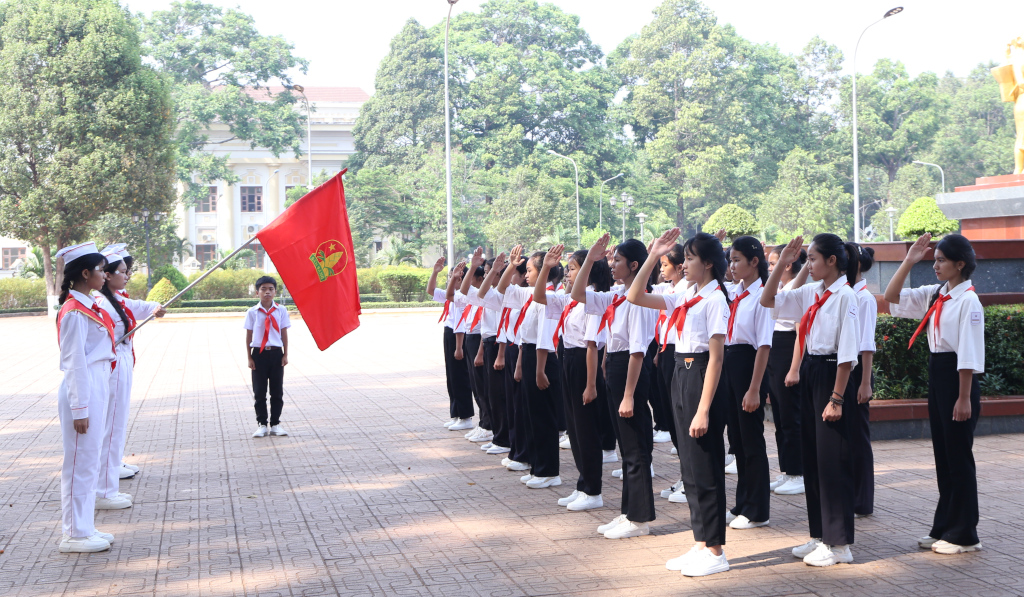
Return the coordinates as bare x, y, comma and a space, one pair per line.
889, 13
551, 151
145, 213
452, 1
918, 162
641, 217
298, 88
612, 200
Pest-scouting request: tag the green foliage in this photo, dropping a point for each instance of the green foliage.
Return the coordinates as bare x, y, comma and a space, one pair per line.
20, 293
230, 284
1004, 351
397, 252
805, 199
33, 265
734, 219
403, 284
162, 292
368, 282
171, 273
922, 216
137, 286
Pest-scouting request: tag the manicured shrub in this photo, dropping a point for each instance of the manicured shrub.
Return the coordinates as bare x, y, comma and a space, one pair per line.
403, 284
230, 284
137, 286
174, 276
734, 219
924, 215
20, 293
368, 282
162, 291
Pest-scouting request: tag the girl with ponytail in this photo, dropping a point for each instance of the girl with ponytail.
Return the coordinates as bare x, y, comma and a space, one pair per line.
861, 259
699, 318
830, 335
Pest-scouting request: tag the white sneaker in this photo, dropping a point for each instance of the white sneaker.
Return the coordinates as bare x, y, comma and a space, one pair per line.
927, 542
678, 497
505, 461
472, 433
661, 437
730, 469
729, 459
793, 486
741, 522
277, 430
806, 549
569, 498
483, 436
494, 449
609, 456
526, 478
462, 425
105, 536
586, 502
677, 564
126, 496
666, 493
705, 563
564, 444
604, 528
261, 431
517, 466
826, 555
945, 547
486, 446
617, 473
83, 544
729, 516
674, 451
652, 470
450, 422
542, 482
780, 480
627, 529
125, 473
114, 503
130, 467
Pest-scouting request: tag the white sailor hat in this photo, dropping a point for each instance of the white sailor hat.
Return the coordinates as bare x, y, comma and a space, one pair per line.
75, 251
112, 253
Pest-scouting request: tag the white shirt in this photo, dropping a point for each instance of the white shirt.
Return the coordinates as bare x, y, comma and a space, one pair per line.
256, 318
633, 327
867, 313
962, 325
836, 327
459, 323
453, 316
663, 316
707, 318
578, 324
492, 311
84, 344
535, 328
786, 325
754, 324
140, 310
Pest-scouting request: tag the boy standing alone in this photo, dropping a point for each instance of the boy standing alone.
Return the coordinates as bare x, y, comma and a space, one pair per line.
266, 346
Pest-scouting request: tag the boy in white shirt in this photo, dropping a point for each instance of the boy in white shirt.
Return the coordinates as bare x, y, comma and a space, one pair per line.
266, 347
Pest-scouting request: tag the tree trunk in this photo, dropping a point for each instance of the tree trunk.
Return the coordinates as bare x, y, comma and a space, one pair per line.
53, 278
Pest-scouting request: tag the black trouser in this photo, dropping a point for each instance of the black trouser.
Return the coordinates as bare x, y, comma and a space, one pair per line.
583, 422
496, 394
956, 516
541, 425
661, 414
785, 404
828, 463
752, 493
268, 372
860, 447
701, 460
460, 394
560, 414
636, 437
518, 447
666, 366
477, 379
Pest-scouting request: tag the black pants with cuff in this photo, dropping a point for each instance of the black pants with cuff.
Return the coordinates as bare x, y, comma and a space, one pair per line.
518, 446
752, 493
541, 419
460, 393
477, 379
661, 415
828, 458
785, 403
702, 459
860, 440
636, 437
496, 394
665, 368
583, 422
268, 373
956, 515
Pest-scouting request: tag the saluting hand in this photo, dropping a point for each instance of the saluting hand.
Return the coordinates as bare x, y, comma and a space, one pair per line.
478, 257
663, 244
439, 265
597, 252
919, 249
516, 257
554, 256
791, 252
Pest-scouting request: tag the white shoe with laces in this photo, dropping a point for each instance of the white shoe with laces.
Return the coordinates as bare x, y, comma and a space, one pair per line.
564, 443
741, 522
261, 431
705, 563
497, 450
450, 422
277, 430
780, 480
114, 503
627, 529
569, 498
947, 548
679, 496
472, 433
526, 478
517, 466
927, 542
586, 502
542, 482
604, 528
130, 467
484, 436
793, 486
677, 564
731, 469
462, 425
105, 536
661, 437
125, 473
617, 473
609, 456
486, 446
729, 516
806, 549
829, 555
505, 461
667, 493
91, 544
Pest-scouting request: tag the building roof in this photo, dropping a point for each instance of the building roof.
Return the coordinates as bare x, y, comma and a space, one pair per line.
314, 94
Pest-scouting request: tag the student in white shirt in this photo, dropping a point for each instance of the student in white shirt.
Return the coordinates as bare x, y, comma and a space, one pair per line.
493, 346
830, 333
630, 331
266, 345
460, 394
952, 315
582, 409
675, 282
861, 260
700, 319
85, 334
783, 379
471, 318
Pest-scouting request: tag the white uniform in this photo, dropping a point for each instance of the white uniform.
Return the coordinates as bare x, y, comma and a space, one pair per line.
836, 327
706, 318
535, 327
85, 358
867, 309
578, 326
112, 450
753, 324
961, 326
632, 329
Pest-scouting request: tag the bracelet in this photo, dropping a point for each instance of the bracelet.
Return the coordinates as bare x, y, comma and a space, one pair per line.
834, 401
835, 393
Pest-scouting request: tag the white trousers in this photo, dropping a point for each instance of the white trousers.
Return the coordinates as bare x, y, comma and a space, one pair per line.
116, 424
81, 467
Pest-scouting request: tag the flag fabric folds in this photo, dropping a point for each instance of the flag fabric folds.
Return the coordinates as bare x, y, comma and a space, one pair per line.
311, 246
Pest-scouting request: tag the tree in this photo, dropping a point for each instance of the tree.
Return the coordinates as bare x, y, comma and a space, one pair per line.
396, 253
734, 219
219, 62
806, 199
922, 216
86, 127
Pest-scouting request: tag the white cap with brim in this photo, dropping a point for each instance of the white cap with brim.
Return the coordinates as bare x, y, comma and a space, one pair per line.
75, 251
112, 255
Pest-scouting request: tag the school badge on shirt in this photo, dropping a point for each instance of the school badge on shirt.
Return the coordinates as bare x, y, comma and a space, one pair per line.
329, 259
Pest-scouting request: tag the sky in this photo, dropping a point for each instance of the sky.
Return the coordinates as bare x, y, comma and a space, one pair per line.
345, 39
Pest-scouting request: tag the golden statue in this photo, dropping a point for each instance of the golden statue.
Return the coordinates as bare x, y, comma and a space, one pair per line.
1011, 87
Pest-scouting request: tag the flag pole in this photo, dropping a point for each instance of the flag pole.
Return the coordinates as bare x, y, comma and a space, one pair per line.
174, 298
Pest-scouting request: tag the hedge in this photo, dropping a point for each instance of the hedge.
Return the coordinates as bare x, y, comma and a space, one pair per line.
230, 284
162, 291
21, 293
368, 282
403, 284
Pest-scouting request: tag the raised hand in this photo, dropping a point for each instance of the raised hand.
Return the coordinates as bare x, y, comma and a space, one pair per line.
597, 252
664, 243
516, 257
478, 258
720, 235
791, 252
458, 271
439, 265
554, 256
919, 249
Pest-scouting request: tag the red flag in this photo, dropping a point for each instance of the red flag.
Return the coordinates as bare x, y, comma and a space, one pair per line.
311, 246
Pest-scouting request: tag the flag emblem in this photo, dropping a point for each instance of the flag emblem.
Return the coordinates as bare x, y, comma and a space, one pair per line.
330, 259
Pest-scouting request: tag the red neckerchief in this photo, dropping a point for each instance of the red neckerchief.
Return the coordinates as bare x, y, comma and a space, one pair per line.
272, 321
609, 314
808, 319
561, 321
447, 306
465, 314
94, 313
506, 314
123, 293
662, 318
679, 319
476, 319
522, 315
131, 321
936, 308
732, 311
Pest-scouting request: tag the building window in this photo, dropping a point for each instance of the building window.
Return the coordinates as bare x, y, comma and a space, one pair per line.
11, 255
206, 254
209, 203
378, 245
257, 260
252, 199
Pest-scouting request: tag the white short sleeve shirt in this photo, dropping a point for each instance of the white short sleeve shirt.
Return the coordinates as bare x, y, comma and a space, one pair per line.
961, 325
867, 310
706, 318
632, 330
836, 327
256, 320
753, 324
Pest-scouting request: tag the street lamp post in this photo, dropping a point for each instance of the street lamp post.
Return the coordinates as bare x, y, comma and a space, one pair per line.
941, 173
144, 216
856, 165
600, 202
579, 238
448, 139
627, 202
309, 133
891, 211
641, 216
